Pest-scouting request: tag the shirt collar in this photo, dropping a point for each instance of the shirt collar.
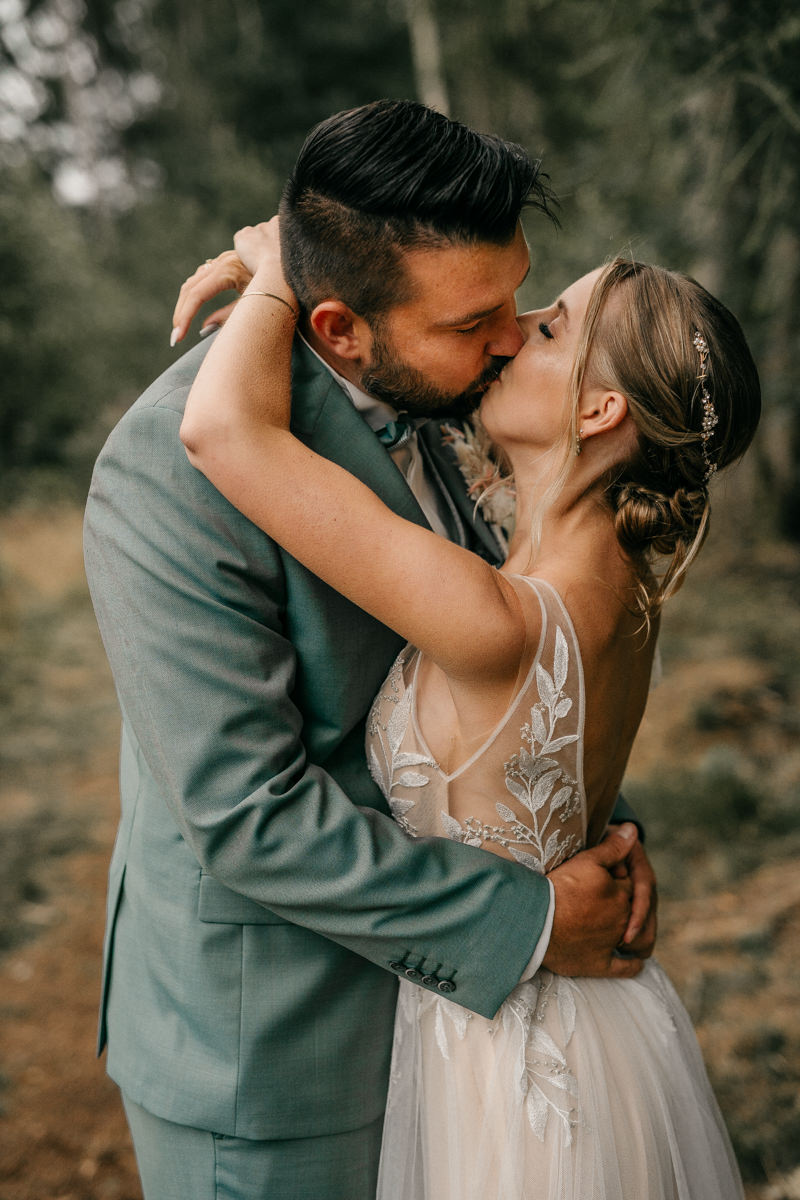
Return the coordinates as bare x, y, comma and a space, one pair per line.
375, 412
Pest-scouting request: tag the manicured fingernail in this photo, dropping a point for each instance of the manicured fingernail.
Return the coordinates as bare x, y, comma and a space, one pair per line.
210, 328
173, 337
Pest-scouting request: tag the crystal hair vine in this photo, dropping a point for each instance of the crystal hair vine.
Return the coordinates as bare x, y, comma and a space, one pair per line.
710, 418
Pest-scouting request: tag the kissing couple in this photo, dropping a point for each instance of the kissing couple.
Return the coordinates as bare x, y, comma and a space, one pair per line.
366, 740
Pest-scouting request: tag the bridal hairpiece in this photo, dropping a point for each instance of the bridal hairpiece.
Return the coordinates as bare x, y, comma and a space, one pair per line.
710, 418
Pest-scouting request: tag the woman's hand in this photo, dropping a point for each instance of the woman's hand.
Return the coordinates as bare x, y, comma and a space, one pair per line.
640, 935
215, 275
257, 249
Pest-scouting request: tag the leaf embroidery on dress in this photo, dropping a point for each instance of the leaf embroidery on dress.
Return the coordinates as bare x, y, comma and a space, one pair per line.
537, 827
389, 766
532, 776
545, 1079
457, 1019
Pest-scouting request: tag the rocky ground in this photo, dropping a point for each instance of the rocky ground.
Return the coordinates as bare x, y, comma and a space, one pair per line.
730, 915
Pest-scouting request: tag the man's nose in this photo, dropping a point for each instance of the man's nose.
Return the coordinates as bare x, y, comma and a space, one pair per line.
507, 340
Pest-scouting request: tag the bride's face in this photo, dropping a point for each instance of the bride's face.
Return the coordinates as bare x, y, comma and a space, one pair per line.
528, 405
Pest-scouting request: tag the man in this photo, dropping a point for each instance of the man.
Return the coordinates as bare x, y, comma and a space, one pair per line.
262, 902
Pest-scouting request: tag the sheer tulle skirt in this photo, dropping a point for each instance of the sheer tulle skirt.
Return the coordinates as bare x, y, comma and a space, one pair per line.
579, 1089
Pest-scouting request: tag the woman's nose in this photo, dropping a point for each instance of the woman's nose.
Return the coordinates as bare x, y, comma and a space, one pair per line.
529, 322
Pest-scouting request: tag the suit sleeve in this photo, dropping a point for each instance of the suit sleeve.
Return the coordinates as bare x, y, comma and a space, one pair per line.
189, 598
624, 812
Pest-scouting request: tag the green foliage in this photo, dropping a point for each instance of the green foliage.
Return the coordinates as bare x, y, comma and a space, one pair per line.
669, 128
242, 85
47, 361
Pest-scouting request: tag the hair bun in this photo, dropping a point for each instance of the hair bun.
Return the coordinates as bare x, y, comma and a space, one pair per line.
647, 519
688, 507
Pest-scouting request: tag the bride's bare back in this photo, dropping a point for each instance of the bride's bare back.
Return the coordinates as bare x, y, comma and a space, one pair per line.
617, 653
532, 774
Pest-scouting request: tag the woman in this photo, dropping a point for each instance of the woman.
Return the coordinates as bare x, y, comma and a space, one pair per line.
528, 683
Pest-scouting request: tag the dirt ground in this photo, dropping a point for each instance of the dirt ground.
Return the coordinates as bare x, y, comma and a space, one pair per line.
62, 1133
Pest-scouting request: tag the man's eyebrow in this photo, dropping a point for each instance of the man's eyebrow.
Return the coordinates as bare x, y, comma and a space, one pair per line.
478, 316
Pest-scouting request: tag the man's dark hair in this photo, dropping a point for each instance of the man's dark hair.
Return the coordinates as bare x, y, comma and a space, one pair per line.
394, 175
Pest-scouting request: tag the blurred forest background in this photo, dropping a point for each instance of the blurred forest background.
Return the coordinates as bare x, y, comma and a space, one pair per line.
135, 137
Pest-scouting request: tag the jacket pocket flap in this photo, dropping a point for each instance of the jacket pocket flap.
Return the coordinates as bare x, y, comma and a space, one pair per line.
218, 905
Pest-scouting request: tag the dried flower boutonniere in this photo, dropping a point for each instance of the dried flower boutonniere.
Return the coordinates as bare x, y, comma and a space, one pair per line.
488, 484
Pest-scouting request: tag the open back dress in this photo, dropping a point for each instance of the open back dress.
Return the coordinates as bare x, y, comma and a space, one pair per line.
578, 1089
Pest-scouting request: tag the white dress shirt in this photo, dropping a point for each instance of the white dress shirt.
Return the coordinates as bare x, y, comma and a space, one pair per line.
430, 499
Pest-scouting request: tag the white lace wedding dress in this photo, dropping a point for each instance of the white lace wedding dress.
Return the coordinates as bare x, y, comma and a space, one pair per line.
579, 1089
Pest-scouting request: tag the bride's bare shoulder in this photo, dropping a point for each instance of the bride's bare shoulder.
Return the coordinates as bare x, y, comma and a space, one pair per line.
605, 607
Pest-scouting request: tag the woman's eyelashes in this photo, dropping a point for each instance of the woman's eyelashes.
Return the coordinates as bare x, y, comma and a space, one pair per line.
544, 329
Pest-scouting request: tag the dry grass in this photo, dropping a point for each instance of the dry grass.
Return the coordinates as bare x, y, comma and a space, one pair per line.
715, 775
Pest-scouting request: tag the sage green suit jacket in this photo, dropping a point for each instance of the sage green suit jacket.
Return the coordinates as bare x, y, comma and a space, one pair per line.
261, 900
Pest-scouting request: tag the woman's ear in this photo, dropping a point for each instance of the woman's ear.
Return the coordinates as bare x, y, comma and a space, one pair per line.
600, 411
340, 330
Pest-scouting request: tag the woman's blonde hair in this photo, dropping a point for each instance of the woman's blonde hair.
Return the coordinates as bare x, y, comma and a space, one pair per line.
638, 338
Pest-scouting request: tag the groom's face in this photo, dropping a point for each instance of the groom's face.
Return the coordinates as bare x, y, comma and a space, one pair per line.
436, 354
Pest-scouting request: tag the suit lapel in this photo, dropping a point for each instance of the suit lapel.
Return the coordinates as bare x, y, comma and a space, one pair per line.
483, 542
325, 418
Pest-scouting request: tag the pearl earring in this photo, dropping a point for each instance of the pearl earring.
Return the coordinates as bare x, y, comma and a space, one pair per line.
579, 442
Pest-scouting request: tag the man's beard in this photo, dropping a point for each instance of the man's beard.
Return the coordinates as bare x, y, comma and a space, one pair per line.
407, 390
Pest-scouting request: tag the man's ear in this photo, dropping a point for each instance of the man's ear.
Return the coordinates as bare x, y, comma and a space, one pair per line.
600, 411
339, 329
